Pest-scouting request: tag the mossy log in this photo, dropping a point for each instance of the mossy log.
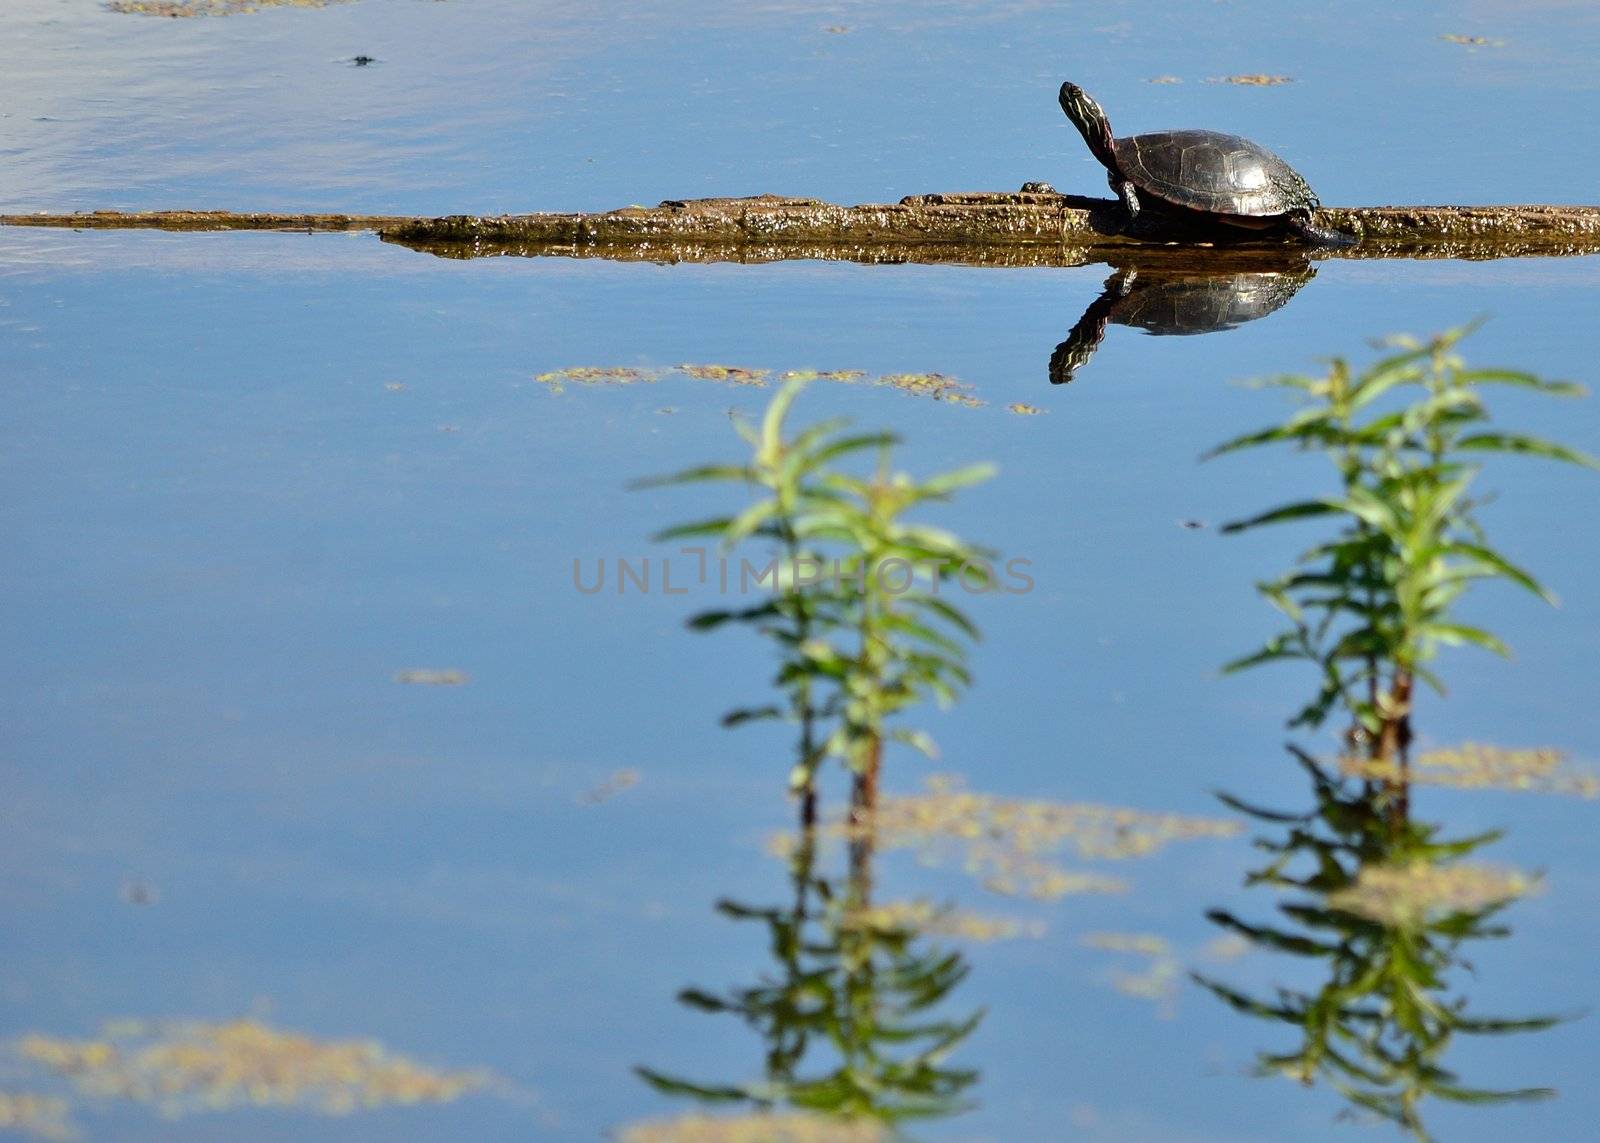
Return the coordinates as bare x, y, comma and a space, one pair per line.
1015, 229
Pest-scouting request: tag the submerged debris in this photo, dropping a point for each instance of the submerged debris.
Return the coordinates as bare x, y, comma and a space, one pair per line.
185, 1067
41, 1116
1411, 895
426, 677
790, 1128
1165, 79
1475, 766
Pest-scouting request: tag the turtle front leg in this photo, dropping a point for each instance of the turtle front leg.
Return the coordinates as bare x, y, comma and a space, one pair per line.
1130, 197
1300, 224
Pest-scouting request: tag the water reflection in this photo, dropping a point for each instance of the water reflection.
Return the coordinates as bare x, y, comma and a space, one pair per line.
1181, 298
852, 1012
1385, 906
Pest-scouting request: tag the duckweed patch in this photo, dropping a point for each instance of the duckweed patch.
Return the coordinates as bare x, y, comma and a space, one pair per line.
939, 386
942, 921
39, 1116
823, 375
1009, 843
1159, 973
1416, 893
557, 379
186, 1067
1475, 766
936, 386
179, 9
734, 374
1257, 79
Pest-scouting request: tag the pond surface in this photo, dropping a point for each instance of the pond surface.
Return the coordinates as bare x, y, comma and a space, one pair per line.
251, 480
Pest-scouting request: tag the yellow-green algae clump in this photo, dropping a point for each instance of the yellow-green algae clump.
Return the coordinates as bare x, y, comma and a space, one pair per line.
1474, 766
1009, 843
189, 1066
183, 8
1411, 895
41, 1116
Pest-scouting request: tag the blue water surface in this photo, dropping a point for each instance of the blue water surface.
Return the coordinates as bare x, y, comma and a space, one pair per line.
250, 477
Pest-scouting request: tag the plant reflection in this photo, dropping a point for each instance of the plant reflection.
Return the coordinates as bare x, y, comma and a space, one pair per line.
850, 1012
1383, 902
1386, 906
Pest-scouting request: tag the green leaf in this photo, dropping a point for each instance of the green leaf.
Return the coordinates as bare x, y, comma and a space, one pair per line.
947, 482
1456, 634
752, 714
1301, 510
1502, 567
701, 529
1521, 380
1526, 446
772, 422
699, 475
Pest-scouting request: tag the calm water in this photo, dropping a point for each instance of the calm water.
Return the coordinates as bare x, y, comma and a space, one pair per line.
249, 478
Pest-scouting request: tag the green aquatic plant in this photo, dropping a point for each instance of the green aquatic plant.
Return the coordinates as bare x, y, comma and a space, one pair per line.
1370, 605
854, 603
1383, 902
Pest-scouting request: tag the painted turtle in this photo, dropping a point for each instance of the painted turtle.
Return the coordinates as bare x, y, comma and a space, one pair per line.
1178, 300
1201, 176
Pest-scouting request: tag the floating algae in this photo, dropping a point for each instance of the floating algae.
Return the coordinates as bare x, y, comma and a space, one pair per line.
936, 920
189, 1066
1475, 766
177, 9
1008, 843
1414, 894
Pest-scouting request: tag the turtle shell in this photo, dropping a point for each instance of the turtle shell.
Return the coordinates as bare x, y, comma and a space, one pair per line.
1212, 172
1182, 303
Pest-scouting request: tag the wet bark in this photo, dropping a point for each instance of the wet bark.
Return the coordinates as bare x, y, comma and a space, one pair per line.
1005, 229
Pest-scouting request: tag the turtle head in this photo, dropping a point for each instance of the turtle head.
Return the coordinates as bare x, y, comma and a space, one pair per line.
1088, 118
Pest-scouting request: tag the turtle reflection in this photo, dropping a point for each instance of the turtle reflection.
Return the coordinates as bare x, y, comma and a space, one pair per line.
849, 1010
1181, 298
